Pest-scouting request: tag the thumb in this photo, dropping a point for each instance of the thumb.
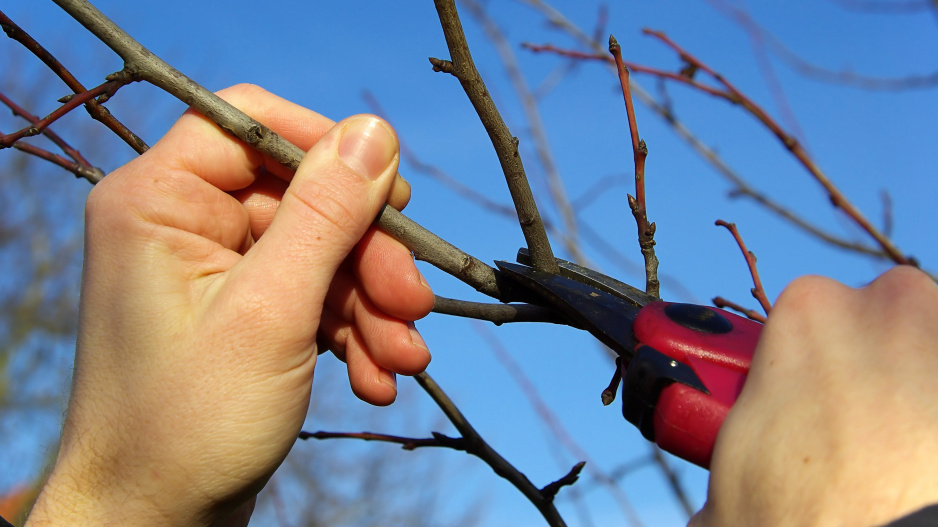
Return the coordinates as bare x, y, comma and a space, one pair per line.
335, 195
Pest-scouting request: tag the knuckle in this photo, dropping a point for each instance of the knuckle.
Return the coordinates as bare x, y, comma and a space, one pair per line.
325, 203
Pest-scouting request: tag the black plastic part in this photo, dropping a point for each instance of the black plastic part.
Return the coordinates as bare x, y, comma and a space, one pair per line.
698, 318
650, 372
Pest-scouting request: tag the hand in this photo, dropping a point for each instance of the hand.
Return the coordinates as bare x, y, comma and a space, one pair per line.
838, 421
209, 277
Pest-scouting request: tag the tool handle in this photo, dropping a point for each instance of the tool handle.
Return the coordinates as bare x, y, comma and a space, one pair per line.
684, 416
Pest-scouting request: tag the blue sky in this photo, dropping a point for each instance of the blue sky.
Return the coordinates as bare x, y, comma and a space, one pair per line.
323, 55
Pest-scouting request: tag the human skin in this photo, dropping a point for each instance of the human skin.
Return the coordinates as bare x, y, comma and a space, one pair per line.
837, 424
213, 279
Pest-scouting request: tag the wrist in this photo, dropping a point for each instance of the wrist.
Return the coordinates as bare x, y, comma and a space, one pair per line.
68, 498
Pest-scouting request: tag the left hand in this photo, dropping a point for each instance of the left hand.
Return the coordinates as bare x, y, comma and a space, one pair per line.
210, 274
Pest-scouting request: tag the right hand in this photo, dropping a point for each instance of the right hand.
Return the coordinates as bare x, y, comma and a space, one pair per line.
838, 421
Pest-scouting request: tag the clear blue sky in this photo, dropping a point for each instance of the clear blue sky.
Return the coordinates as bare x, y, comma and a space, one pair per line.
324, 54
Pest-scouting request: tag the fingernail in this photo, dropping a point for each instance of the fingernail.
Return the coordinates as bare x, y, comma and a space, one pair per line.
423, 282
388, 377
367, 146
416, 339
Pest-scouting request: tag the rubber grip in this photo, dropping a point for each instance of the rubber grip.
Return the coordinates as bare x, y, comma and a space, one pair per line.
687, 421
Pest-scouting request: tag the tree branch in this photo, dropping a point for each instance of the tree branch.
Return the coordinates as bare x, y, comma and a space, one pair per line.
463, 68
477, 446
142, 64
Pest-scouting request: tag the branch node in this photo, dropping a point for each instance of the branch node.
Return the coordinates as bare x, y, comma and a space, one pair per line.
441, 65
550, 490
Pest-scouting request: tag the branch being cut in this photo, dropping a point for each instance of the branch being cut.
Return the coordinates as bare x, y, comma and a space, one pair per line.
497, 313
463, 68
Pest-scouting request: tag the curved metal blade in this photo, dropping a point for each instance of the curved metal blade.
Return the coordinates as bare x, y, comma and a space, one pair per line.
607, 316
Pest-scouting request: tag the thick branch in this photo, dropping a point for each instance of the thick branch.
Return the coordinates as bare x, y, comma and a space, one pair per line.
462, 67
144, 65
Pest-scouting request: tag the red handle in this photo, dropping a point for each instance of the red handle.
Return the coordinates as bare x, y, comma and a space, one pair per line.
686, 420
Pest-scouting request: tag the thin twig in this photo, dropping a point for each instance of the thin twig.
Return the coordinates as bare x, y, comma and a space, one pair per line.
757, 292
558, 431
836, 197
551, 489
751, 314
95, 109
743, 188
407, 443
646, 230
91, 173
37, 127
463, 68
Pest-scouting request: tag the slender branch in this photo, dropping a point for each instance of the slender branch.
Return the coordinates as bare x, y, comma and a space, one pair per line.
757, 292
535, 127
556, 427
752, 314
646, 230
463, 68
95, 109
91, 173
674, 481
477, 446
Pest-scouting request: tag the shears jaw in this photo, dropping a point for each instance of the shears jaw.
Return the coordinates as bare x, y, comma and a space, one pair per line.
605, 315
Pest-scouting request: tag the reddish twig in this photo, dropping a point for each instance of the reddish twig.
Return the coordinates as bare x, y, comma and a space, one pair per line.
36, 127
757, 292
742, 187
19, 111
95, 109
91, 173
646, 230
751, 314
837, 198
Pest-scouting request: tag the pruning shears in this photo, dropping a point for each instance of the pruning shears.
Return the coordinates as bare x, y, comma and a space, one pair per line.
682, 365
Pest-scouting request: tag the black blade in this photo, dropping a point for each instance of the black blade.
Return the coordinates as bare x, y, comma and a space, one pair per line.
607, 316
595, 279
